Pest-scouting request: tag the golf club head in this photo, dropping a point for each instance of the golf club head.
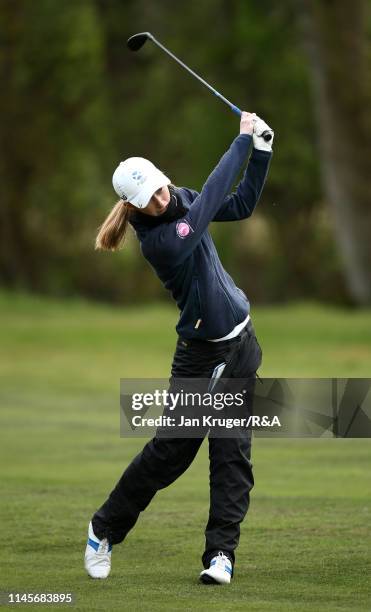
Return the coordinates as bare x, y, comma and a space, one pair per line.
137, 41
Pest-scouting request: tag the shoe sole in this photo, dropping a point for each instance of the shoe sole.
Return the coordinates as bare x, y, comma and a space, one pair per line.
206, 579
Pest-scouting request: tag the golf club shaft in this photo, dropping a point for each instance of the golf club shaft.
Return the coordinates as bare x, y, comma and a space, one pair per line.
233, 107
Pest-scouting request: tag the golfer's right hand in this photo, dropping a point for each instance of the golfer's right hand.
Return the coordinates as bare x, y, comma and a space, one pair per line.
247, 123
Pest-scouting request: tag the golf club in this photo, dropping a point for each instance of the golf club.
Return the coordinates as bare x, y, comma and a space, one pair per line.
137, 41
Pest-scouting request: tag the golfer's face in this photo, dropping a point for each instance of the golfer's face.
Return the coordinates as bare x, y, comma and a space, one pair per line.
158, 202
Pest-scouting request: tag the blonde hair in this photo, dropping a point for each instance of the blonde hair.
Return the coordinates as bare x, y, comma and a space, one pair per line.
111, 235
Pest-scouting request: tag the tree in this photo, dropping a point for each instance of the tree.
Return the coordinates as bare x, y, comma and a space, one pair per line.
337, 43
51, 128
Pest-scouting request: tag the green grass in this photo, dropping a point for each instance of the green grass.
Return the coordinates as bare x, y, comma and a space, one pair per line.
306, 542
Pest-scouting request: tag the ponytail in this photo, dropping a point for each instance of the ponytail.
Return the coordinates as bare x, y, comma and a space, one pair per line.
112, 232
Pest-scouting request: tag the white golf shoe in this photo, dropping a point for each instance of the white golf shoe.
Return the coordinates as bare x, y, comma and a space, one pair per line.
219, 572
97, 555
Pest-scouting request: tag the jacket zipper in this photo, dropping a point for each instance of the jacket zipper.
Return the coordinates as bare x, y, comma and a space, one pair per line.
199, 321
223, 287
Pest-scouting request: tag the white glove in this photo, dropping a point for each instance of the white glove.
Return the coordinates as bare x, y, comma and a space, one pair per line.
261, 127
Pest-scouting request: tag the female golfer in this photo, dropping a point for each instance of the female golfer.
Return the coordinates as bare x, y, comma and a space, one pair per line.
215, 335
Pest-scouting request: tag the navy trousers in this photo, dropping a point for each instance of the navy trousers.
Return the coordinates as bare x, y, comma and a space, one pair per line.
163, 460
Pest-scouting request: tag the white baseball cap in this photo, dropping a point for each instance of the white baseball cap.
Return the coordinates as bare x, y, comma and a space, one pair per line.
136, 179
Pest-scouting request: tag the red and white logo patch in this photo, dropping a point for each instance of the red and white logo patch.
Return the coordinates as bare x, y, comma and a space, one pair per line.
183, 229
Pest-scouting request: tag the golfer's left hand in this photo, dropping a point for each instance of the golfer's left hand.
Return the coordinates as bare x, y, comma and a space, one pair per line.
260, 128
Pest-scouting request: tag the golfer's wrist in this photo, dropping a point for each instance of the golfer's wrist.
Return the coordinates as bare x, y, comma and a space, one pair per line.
247, 137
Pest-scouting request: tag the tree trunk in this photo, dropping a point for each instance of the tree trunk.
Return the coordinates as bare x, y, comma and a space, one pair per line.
334, 34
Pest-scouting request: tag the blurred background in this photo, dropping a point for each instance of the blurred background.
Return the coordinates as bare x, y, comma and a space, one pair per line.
74, 102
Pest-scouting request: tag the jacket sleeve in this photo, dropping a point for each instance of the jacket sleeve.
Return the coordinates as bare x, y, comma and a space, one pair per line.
241, 203
172, 243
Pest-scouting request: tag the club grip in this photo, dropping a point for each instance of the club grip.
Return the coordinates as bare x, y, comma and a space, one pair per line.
267, 136
236, 110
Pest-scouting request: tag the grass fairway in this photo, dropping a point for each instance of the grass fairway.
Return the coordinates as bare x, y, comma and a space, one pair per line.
306, 541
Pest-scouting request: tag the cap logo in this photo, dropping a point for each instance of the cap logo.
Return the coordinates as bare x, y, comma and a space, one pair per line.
138, 177
183, 229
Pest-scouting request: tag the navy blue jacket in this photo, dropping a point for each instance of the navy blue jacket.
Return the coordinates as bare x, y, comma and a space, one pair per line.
183, 254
